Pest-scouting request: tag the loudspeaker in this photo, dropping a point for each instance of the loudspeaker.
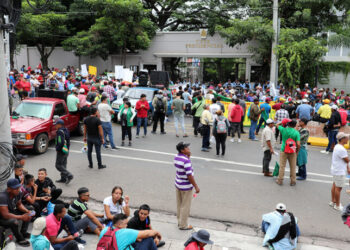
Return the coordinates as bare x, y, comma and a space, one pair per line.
45, 93
143, 78
60, 94
160, 78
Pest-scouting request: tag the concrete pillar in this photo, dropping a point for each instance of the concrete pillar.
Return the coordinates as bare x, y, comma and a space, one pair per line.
159, 64
248, 68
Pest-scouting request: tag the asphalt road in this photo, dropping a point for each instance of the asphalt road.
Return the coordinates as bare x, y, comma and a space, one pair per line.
232, 188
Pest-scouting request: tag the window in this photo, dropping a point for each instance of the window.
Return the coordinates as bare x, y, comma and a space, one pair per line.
59, 110
32, 109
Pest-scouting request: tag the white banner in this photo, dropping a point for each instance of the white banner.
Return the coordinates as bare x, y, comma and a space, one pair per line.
84, 71
119, 71
273, 90
127, 75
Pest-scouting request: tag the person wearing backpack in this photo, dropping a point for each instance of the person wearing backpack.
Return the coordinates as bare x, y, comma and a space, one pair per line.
333, 127
289, 149
220, 130
206, 120
118, 237
160, 108
253, 114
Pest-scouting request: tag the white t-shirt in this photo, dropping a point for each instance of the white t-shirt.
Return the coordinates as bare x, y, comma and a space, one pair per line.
113, 208
213, 108
104, 109
338, 164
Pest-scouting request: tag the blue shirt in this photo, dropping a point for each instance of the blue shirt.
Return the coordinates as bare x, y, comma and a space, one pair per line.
125, 237
39, 242
185, 96
304, 111
266, 106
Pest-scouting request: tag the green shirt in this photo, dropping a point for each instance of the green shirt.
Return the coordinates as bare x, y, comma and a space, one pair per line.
72, 102
199, 106
287, 133
178, 107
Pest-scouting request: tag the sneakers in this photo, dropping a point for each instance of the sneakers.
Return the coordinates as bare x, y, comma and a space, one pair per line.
123, 144
102, 166
338, 208
115, 148
137, 136
23, 243
254, 139
163, 133
154, 132
69, 179
130, 144
232, 140
324, 152
239, 140
205, 150
185, 135
331, 204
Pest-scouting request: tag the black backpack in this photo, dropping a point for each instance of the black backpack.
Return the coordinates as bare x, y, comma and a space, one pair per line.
159, 105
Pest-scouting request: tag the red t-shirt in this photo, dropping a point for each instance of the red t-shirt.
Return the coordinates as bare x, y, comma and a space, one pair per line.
86, 88
193, 246
26, 86
142, 111
52, 226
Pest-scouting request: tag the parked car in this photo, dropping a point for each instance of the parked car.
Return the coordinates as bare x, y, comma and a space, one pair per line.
134, 95
32, 122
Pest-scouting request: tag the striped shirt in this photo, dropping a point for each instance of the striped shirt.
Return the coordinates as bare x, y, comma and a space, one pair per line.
184, 168
76, 209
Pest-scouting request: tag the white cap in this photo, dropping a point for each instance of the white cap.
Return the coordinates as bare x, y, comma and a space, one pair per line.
281, 206
334, 107
38, 226
305, 101
81, 91
269, 121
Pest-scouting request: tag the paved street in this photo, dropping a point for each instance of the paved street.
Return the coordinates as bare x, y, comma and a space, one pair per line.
232, 188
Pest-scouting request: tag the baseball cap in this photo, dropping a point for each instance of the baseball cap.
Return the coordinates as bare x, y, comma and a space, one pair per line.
59, 121
13, 183
281, 206
268, 99
93, 88
81, 91
182, 145
334, 107
305, 100
326, 101
269, 121
38, 226
285, 121
342, 135
20, 157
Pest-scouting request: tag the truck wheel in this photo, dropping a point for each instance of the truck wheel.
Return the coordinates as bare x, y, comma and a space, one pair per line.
80, 128
149, 119
41, 144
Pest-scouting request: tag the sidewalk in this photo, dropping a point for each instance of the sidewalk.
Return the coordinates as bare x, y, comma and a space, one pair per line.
226, 236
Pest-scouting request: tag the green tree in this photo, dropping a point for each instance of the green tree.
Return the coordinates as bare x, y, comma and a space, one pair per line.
42, 30
298, 56
122, 26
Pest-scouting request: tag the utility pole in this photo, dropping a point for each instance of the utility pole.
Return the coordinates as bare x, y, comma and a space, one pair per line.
274, 63
7, 47
5, 129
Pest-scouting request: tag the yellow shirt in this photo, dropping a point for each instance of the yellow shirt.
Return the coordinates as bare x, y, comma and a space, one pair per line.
325, 111
206, 118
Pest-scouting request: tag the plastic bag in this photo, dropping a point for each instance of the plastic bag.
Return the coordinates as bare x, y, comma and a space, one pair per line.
276, 170
212, 139
84, 149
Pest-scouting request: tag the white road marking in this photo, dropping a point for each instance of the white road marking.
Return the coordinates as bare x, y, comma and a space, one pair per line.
209, 159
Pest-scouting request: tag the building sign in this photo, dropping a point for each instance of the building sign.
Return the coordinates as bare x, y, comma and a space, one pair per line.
203, 33
204, 44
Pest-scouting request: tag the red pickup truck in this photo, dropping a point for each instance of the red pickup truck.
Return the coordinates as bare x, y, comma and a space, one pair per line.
32, 122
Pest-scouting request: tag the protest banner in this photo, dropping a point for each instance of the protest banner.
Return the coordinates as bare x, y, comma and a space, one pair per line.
84, 71
92, 70
119, 71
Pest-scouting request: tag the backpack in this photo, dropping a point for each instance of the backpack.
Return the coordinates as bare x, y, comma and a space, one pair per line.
108, 240
291, 146
159, 105
221, 127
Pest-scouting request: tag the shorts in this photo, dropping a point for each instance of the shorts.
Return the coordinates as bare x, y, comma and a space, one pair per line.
339, 180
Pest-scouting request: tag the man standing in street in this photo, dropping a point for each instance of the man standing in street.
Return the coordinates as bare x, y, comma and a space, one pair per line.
160, 108
109, 89
142, 108
93, 135
106, 116
244, 107
184, 183
178, 108
333, 127
62, 151
197, 110
268, 144
265, 108
340, 168
254, 114
289, 150
206, 120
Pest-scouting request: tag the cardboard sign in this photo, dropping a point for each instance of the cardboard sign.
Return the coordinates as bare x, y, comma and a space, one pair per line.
84, 71
119, 71
127, 75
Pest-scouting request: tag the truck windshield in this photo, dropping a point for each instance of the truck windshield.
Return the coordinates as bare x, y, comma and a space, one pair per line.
136, 93
31, 109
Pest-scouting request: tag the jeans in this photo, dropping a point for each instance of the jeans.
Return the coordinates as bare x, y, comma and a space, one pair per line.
85, 223
302, 171
90, 143
242, 120
145, 244
220, 141
126, 130
332, 138
261, 121
181, 120
266, 161
158, 116
61, 165
107, 130
206, 136
253, 125
18, 227
235, 126
68, 245
196, 121
141, 122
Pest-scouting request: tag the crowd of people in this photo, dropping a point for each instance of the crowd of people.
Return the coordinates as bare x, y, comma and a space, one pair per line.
213, 119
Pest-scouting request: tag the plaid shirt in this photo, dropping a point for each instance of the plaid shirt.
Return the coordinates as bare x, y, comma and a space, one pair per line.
110, 92
280, 115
